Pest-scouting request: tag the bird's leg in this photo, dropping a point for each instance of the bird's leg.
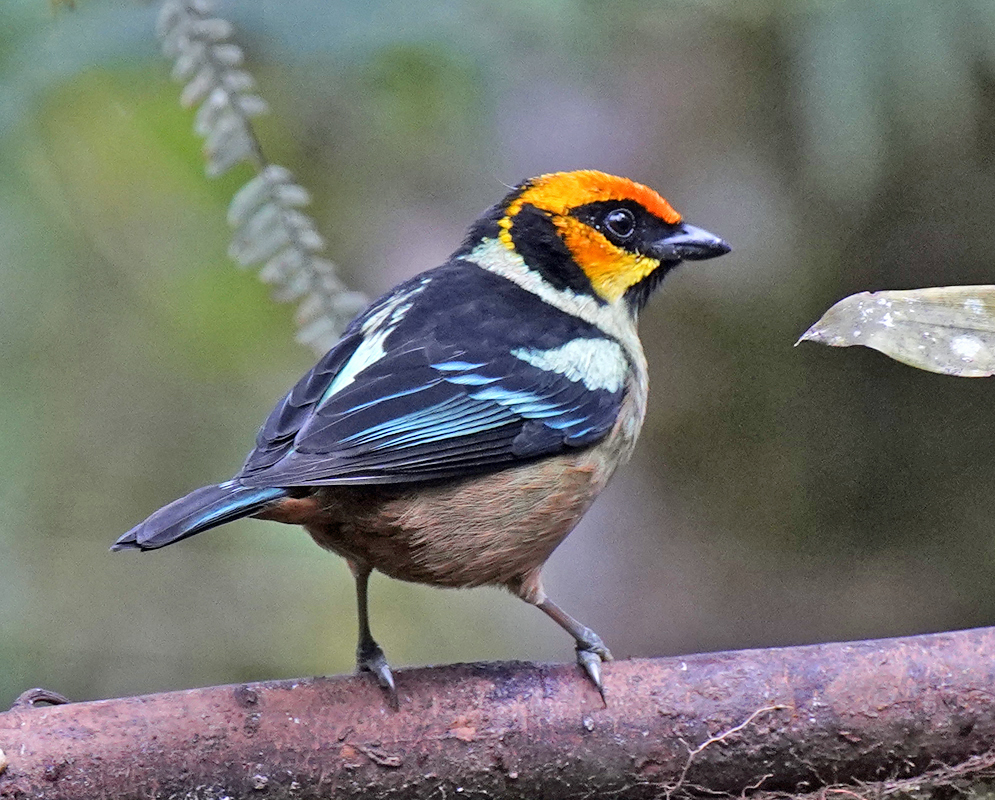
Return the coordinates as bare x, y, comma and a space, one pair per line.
369, 656
591, 650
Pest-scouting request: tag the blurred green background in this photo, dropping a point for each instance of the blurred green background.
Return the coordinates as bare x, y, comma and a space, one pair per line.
778, 496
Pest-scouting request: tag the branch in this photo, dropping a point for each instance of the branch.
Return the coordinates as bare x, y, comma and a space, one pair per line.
825, 719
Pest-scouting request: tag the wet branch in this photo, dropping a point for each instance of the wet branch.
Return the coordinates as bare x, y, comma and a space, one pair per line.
859, 720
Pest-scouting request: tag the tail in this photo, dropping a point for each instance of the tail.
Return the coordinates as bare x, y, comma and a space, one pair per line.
201, 510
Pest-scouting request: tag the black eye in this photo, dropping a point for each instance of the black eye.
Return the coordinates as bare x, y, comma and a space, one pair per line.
620, 222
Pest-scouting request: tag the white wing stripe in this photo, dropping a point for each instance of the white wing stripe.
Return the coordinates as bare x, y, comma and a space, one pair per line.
597, 363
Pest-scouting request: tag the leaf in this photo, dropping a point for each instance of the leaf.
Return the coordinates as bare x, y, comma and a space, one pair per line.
248, 199
268, 226
282, 266
289, 195
213, 107
947, 329
251, 105
293, 286
171, 13
228, 54
236, 81
227, 144
261, 237
212, 29
199, 87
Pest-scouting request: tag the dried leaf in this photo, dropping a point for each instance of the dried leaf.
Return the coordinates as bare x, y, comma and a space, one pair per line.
948, 329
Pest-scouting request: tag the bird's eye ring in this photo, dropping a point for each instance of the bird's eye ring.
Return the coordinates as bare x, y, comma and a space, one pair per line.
620, 222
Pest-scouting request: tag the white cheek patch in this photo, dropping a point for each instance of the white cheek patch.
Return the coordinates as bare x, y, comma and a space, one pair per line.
376, 328
493, 256
597, 363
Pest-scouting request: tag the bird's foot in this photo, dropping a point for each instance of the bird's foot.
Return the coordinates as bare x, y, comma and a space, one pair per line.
370, 658
34, 697
590, 654
591, 651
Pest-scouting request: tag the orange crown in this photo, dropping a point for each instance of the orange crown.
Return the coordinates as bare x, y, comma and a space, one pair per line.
558, 192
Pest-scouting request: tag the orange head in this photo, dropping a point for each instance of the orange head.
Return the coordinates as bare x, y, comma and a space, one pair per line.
599, 234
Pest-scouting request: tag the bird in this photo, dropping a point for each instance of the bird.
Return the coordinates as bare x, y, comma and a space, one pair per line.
466, 420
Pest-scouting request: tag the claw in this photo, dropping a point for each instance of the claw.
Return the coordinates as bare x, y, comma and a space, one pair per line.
371, 659
591, 651
590, 659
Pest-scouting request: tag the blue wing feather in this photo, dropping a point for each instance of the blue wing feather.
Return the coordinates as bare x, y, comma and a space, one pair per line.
445, 397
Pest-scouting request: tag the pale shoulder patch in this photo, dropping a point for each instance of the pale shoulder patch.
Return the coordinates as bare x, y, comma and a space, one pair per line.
376, 328
597, 363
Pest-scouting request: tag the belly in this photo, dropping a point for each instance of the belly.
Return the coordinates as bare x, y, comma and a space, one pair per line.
486, 529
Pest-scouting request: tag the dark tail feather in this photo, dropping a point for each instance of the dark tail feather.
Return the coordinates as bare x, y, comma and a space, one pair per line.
201, 510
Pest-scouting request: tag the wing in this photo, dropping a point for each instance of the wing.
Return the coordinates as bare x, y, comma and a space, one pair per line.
442, 380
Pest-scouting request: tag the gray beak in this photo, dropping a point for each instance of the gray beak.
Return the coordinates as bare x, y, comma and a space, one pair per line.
689, 243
